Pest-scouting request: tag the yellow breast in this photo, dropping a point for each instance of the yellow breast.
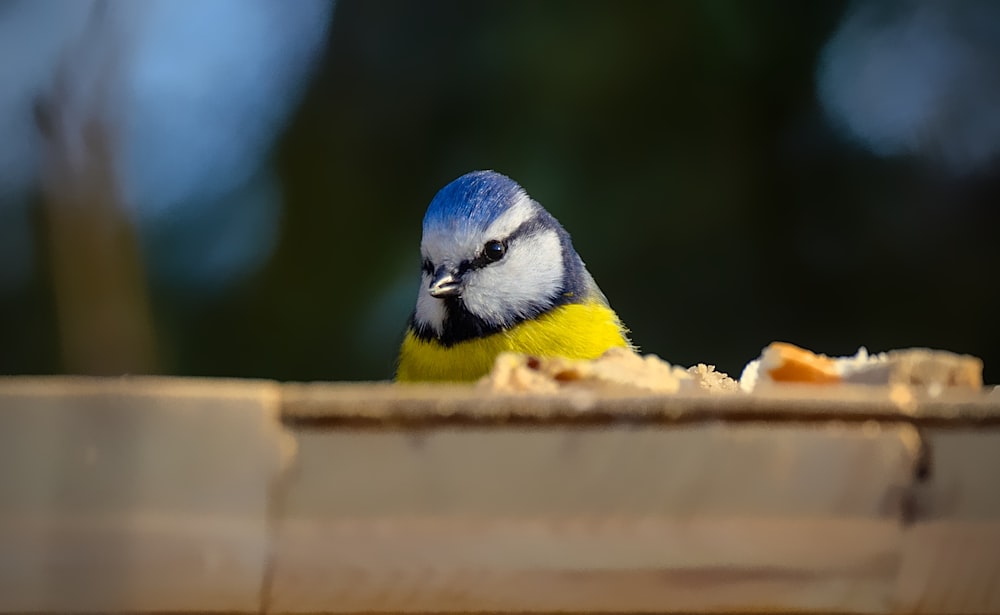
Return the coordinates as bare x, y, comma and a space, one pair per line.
575, 331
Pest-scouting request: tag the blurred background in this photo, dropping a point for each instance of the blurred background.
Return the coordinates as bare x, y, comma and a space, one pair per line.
236, 187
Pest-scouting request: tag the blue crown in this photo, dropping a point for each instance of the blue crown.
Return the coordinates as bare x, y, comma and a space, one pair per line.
475, 199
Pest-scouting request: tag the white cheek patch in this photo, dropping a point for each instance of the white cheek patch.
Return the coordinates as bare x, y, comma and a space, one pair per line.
528, 278
430, 312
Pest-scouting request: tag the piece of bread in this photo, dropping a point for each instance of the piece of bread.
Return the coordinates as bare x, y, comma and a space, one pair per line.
933, 370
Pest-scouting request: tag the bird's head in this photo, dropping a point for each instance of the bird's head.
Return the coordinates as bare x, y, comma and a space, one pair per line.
492, 257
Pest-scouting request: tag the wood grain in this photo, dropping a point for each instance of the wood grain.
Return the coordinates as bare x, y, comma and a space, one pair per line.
761, 516
135, 494
951, 555
199, 495
385, 405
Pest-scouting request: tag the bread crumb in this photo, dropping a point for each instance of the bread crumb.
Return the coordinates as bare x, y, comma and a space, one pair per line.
707, 379
617, 369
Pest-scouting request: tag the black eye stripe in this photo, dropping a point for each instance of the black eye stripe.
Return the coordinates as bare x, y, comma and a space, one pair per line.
526, 229
466, 266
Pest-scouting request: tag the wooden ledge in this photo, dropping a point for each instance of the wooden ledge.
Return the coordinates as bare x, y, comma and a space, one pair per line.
197, 495
356, 404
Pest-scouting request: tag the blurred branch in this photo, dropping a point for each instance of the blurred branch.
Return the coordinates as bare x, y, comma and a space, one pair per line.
102, 303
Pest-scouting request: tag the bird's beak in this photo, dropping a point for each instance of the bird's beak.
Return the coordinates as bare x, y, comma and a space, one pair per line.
445, 284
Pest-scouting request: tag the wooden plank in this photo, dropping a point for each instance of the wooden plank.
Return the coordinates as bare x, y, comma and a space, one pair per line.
754, 516
951, 556
135, 494
389, 405
687, 470
159, 495
602, 566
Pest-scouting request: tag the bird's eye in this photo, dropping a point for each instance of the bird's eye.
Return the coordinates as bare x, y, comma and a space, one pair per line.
494, 250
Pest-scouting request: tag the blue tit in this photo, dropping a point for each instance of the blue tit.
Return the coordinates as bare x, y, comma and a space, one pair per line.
500, 274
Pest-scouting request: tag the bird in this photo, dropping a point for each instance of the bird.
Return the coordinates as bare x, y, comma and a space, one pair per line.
499, 274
